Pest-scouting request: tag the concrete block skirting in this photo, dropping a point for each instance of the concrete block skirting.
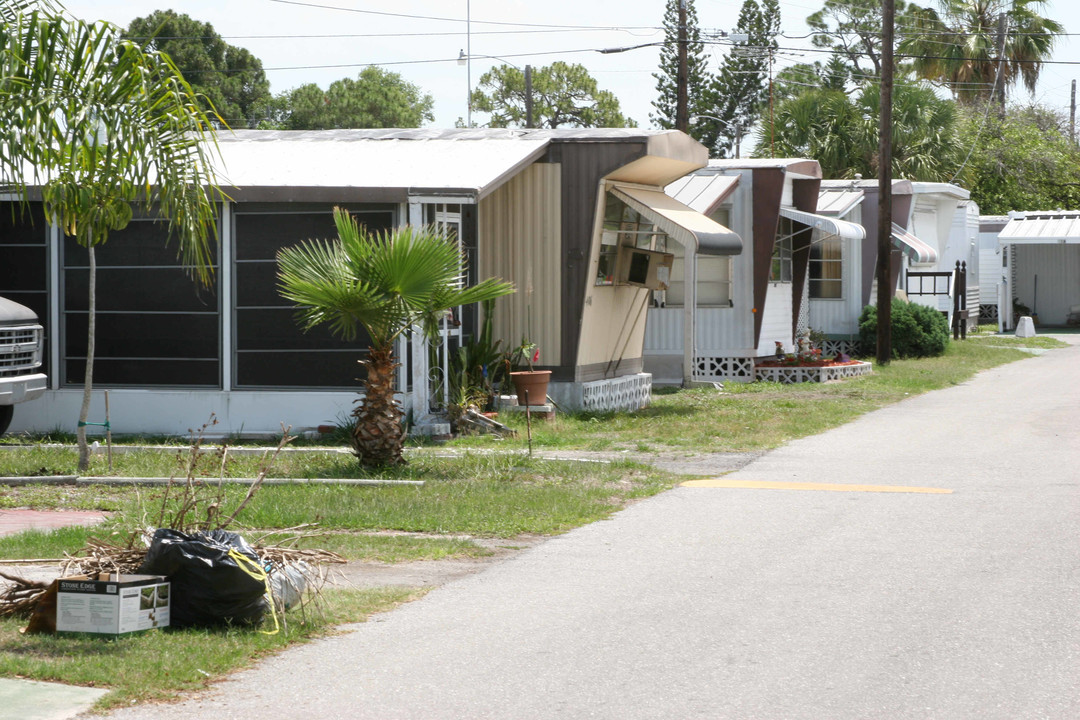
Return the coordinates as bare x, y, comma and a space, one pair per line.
626, 393
795, 374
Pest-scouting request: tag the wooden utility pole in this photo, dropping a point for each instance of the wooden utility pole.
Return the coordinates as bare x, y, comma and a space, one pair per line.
999, 76
682, 115
1072, 114
884, 245
528, 97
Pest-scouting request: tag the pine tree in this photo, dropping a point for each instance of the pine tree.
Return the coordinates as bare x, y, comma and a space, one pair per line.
698, 77
739, 94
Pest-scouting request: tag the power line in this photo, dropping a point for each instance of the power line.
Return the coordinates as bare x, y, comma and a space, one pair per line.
372, 35
461, 20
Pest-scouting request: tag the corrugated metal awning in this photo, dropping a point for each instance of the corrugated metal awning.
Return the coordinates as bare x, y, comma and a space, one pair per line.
1041, 228
913, 247
702, 192
687, 226
836, 202
827, 225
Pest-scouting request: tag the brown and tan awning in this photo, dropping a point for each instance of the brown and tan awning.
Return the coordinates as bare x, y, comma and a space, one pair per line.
685, 225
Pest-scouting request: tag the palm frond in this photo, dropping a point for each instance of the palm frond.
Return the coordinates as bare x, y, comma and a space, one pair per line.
385, 283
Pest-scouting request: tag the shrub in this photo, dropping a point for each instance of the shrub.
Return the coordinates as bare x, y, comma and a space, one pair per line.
917, 330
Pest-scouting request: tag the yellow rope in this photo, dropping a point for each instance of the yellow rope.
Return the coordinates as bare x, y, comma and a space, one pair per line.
245, 563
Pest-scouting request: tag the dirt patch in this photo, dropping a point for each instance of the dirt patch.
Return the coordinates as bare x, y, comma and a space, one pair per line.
431, 573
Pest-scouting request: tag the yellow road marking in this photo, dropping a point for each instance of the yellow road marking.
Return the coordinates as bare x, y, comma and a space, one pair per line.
827, 487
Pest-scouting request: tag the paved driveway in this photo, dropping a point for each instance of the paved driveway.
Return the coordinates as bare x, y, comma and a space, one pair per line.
759, 603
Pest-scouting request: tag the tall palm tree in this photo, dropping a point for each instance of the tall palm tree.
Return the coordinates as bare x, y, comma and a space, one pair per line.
841, 132
384, 283
959, 44
101, 126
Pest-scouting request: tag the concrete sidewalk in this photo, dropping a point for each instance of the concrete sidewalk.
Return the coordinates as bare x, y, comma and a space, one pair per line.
753, 603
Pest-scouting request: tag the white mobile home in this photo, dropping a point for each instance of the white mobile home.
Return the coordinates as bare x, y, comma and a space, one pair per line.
1042, 267
747, 304
565, 214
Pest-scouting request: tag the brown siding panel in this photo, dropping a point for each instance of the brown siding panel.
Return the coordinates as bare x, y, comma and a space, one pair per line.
583, 166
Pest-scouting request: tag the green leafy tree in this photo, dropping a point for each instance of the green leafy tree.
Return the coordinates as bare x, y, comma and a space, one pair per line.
698, 77
230, 78
1023, 161
739, 93
852, 30
385, 283
792, 81
841, 132
958, 44
564, 95
102, 125
377, 98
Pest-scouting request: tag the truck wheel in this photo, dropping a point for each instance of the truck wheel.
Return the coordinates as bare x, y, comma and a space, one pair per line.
6, 411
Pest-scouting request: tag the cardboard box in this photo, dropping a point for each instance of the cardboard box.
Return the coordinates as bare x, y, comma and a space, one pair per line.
111, 604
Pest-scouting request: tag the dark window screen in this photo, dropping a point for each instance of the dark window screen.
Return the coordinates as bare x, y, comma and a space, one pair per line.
272, 350
156, 325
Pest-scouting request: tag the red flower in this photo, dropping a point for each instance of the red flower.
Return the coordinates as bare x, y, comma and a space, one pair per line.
536, 355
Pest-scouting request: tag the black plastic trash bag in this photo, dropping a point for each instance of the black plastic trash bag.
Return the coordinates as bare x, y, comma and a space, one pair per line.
216, 577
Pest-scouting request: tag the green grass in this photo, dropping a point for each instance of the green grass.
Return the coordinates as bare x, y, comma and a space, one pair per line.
1039, 341
161, 664
353, 546
480, 494
757, 416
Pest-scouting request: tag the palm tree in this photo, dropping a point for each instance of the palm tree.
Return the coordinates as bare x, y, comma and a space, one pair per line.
841, 132
102, 126
384, 283
960, 45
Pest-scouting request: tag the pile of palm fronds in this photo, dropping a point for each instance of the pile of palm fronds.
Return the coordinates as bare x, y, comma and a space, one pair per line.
20, 596
191, 505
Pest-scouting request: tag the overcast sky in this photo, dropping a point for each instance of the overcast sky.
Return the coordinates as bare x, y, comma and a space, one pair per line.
323, 40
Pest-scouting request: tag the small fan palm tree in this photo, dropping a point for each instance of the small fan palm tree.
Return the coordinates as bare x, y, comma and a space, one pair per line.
385, 283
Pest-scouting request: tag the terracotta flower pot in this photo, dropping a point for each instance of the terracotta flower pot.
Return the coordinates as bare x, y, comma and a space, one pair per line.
531, 386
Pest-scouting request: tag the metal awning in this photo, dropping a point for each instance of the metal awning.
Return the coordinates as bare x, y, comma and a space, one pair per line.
837, 202
913, 247
685, 225
1041, 228
827, 225
702, 192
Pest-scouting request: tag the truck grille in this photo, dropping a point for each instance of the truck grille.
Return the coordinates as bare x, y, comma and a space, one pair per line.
20, 350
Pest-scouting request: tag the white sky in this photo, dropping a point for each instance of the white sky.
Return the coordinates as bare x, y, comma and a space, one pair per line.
292, 60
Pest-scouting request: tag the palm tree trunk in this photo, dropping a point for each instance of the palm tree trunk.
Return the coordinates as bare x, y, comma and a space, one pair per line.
88, 382
378, 433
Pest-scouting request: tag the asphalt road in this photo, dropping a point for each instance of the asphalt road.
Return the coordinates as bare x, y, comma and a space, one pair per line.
760, 603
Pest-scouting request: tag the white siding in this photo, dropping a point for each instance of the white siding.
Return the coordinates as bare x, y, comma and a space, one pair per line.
841, 316
776, 323
991, 272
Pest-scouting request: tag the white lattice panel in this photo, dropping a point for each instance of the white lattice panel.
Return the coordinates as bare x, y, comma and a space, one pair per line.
718, 369
791, 375
832, 348
628, 393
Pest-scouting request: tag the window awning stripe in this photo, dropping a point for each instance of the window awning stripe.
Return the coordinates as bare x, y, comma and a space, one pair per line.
685, 225
827, 225
917, 250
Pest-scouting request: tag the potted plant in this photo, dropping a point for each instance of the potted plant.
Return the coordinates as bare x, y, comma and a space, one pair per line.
531, 385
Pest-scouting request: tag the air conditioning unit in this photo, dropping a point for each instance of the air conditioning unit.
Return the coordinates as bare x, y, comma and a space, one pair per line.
644, 268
